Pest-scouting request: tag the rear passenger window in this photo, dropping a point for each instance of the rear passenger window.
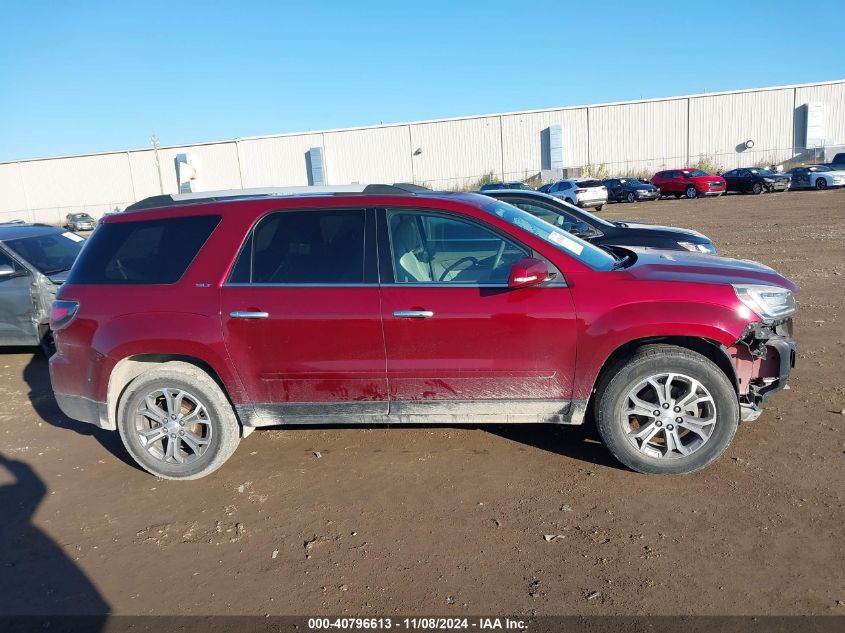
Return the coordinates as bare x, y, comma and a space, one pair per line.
144, 252
304, 247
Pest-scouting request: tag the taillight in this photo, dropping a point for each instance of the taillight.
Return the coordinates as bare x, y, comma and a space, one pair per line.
62, 313
580, 191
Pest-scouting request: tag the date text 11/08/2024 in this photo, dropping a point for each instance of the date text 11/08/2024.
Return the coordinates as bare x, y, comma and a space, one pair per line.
422, 623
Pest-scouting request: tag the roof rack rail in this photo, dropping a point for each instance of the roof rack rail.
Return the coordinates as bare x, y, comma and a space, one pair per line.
167, 200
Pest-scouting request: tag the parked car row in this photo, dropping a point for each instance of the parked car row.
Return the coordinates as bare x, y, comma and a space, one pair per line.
688, 182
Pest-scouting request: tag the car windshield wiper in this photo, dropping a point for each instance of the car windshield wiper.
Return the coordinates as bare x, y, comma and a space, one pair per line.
55, 271
619, 263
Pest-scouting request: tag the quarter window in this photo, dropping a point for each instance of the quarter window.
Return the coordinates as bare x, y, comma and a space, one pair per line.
142, 252
433, 248
304, 247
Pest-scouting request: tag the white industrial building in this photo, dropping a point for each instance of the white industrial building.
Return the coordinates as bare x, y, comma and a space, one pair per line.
728, 129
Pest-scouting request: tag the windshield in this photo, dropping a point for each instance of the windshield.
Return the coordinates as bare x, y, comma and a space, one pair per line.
49, 254
820, 168
762, 172
565, 242
589, 183
631, 181
81, 216
694, 172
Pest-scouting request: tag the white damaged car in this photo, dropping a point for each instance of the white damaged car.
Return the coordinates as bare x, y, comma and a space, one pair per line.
816, 177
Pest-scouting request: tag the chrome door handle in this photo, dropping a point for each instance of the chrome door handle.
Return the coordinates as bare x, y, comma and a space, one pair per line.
413, 314
238, 314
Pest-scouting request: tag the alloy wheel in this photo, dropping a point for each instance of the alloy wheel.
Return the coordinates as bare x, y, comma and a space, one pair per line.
174, 426
668, 416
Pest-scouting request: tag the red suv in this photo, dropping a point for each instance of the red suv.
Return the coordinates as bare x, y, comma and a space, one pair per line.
186, 323
691, 183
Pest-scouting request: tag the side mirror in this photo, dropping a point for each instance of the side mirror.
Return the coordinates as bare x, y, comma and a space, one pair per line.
6, 271
528, 272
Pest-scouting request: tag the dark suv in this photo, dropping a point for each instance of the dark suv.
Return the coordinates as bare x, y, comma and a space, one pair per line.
186, 323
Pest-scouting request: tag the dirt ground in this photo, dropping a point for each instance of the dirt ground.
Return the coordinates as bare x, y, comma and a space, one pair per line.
452, 521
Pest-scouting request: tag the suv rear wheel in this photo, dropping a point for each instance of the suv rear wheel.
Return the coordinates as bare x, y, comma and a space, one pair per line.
176, 422
667, 410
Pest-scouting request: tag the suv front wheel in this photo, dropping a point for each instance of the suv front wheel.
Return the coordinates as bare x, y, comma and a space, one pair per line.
667, 410
176, 422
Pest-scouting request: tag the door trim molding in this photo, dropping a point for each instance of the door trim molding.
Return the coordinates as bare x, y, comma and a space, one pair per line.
452, 412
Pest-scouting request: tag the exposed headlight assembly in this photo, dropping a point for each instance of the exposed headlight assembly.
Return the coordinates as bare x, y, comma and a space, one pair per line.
769, 302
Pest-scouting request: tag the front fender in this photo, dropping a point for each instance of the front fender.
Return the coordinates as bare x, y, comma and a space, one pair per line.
602, 334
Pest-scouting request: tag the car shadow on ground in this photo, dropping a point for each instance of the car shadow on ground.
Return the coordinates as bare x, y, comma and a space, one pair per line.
36, 374
581, 442
37, 578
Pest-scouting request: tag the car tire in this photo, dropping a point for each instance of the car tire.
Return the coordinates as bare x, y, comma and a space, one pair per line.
757, 188
47, 344
599, 208
193, 449
568, 201
631, 197
821, 184
691, 192
660, 453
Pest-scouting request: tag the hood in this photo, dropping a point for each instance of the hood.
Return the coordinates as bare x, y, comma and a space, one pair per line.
690, 267
640, 187
672, 231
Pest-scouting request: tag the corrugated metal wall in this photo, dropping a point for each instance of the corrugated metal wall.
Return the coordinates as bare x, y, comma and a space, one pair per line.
521, 140
719, 124
639, 136
636, 137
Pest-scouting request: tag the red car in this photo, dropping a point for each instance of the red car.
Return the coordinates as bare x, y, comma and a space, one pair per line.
691, 183
187, 323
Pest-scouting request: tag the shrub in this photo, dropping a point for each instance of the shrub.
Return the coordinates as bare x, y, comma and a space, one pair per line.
708, 164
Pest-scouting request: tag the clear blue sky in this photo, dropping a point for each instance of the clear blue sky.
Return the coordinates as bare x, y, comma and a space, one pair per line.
90, 76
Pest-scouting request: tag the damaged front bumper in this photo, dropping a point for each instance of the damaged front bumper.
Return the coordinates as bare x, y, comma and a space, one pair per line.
763, 359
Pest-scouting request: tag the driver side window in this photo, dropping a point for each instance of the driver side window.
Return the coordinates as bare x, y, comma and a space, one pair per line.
433, 248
